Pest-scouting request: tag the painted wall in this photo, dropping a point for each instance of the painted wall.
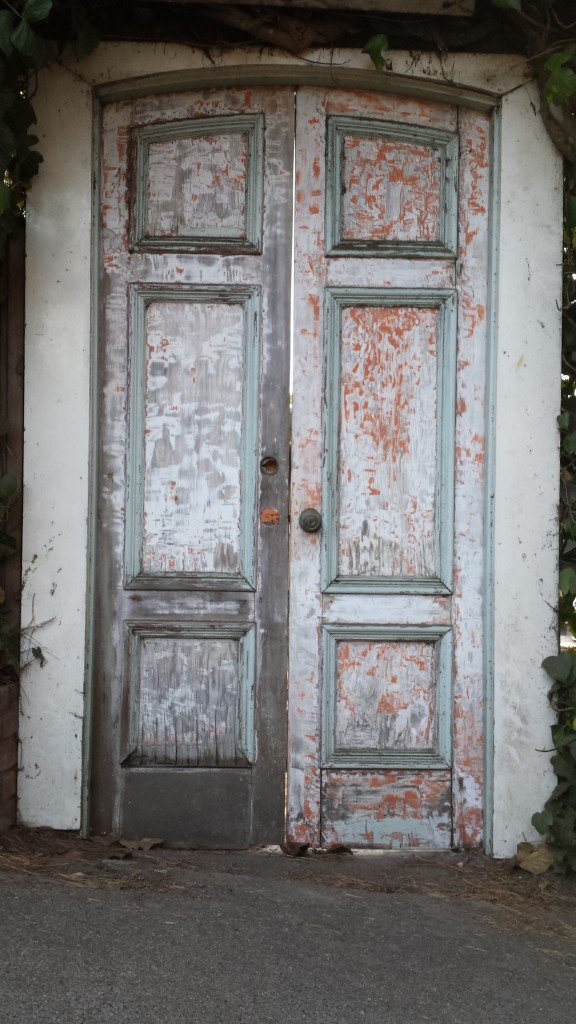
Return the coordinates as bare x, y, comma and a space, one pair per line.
57, 442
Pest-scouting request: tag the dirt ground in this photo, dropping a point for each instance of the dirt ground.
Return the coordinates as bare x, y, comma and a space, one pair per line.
543, 905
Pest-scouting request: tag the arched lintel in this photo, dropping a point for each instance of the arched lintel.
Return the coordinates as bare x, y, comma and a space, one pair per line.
296, 74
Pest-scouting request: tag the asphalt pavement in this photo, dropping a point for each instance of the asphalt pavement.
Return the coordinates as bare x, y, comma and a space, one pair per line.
256, 937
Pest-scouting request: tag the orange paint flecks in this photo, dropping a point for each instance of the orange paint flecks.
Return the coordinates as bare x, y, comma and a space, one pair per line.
314, 301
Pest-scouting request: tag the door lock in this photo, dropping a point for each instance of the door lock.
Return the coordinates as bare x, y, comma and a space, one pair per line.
310, 520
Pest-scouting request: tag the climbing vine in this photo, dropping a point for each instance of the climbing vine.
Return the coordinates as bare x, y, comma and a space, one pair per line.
558, 819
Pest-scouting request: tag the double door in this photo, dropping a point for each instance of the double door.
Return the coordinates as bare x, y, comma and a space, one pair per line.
289, 544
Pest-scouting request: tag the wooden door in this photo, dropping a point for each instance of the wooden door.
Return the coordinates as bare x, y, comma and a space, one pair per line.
193, 579
386, 607
191, 544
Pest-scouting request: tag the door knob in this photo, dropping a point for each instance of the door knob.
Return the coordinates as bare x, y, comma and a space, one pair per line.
310, 520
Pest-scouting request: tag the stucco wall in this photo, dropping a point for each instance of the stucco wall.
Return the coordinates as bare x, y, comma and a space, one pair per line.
527, 239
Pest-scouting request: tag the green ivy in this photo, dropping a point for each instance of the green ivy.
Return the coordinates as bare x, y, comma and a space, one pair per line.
26, 48
557, 822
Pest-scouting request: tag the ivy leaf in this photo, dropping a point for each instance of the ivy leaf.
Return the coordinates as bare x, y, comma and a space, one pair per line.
35, 48
37, 10
561, 84
8, 485
571, 212
6, 146
511, 5
38, 653
23, 38
561, 666
568, 581
22, 114
6, 29
375, 47
564, 768
542, 821
569, 442
563, 420
30, 163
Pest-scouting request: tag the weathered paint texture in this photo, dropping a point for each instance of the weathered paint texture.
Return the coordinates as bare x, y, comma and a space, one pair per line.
392, 425
192, 437
197, 186
187, 704
191, 359
391, 190
387, 442
400, 810
385, 697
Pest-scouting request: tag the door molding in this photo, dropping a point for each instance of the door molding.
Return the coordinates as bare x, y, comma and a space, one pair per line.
296, 74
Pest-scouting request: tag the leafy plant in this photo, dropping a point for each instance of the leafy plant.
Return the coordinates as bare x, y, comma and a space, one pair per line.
557, 821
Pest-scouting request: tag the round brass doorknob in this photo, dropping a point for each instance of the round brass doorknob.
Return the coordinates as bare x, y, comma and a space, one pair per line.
310, 520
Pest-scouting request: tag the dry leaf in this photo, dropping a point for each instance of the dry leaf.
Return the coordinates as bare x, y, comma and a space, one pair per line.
140, 844
295, 849
534, 857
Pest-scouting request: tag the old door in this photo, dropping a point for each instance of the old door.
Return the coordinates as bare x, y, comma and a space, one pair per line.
385, 697
386, 609
190, 652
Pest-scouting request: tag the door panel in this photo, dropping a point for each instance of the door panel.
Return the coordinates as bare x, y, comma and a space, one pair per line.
194, 425
385, 738
191, 603
385, 632
389, 439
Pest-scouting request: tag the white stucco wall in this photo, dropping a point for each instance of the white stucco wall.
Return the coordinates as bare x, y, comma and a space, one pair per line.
526, 466
57, 438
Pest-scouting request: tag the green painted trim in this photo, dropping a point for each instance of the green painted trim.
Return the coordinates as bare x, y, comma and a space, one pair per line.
444, 300
198, 581
490, 459
243, 632
440, 758
387, 585
443, 142
140, 297
240, 75
209, 241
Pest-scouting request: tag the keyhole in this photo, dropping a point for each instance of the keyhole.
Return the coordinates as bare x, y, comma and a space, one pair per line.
269, 465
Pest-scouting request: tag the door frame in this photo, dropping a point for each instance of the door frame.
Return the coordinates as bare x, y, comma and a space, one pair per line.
41, 742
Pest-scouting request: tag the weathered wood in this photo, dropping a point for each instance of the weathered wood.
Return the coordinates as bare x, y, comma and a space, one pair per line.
388, 441
396, 810
387, 496
194, 382
186, 700
386, 695
208, 176
187, 678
